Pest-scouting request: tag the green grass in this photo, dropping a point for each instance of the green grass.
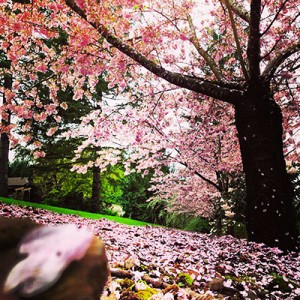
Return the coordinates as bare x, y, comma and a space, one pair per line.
67, 211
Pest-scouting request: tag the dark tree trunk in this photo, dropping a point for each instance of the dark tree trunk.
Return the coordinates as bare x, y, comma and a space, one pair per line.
4, 152
4, 146
95, 200
270, 214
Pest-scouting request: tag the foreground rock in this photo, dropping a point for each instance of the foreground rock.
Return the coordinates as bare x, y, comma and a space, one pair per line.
50, 262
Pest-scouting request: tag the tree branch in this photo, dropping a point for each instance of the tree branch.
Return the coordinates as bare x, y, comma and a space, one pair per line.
253, 50
239, 11
275, 18
202, 177
272, 49
236, 38
186, 164
279, 59
194, 40
207, 88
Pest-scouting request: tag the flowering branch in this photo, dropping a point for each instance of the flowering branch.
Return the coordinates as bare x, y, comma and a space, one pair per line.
279, 59
195, 84
236, 38
202, 52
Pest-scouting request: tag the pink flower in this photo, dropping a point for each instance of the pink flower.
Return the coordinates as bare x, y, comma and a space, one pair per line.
85, 40
42, 68
38, 154
52, 130
27, 138
17, 26
57, 118
183, 37
64, 105
37, 144
138, 137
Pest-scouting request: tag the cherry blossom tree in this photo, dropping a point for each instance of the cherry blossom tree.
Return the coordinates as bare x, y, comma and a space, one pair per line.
248, 57
177, 56
32, 90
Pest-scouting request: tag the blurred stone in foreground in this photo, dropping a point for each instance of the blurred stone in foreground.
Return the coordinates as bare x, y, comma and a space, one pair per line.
50, 262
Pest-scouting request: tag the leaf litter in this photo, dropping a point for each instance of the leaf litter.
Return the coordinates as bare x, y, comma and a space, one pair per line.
152, 262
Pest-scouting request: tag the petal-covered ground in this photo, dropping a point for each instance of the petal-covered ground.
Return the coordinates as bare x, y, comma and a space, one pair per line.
160, 263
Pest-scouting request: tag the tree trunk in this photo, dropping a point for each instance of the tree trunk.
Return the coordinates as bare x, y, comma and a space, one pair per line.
4, 146
95, 200
4, 152
270, 214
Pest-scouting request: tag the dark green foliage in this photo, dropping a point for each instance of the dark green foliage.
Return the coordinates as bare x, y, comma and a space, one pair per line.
111, 185
158, 212
58, 42
233, 196
135, 194
281, 283
64, 188
239, 230
54, 168
197, 224
20, 168
22, 1
4, 62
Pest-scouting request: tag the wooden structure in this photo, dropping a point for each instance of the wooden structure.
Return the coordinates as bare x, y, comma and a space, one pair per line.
18, 187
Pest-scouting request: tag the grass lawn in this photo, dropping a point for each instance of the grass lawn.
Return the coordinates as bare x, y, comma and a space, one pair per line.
67, 211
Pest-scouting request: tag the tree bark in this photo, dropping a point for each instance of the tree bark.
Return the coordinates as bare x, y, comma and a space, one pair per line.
270, 215
95, 200
4, 146
4, 152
